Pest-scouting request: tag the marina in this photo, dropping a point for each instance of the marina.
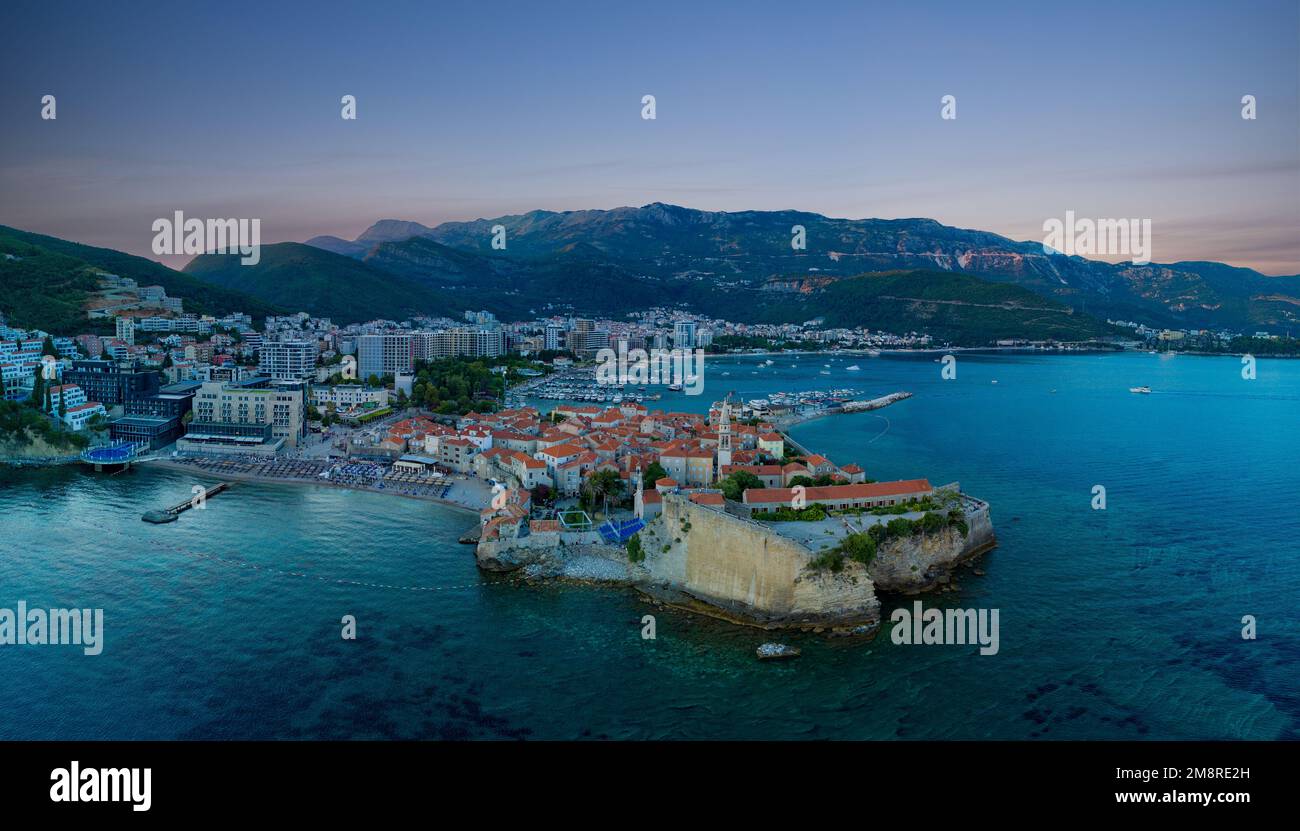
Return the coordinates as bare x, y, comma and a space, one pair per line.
581, 385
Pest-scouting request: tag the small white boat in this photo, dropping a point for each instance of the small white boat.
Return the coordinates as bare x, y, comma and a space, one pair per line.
1141, 390
853, 368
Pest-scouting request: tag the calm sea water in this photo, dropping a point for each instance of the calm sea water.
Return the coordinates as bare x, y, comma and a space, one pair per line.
1122, 623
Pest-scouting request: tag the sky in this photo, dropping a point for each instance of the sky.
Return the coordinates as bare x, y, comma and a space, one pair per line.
468, 110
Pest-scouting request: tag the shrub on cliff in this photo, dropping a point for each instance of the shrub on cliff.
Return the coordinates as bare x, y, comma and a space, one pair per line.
833, 560
900, 527
860, 548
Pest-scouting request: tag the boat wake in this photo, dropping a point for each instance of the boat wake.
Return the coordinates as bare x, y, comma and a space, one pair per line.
882, 432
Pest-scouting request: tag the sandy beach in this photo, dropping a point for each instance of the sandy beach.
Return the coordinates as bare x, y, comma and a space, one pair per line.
469, 495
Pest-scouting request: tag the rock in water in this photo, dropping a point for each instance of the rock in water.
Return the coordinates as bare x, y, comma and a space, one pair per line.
777, 652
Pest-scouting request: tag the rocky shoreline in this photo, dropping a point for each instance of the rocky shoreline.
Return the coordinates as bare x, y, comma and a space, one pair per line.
747, 574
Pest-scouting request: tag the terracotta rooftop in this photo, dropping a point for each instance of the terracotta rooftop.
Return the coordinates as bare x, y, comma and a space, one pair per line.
861, 491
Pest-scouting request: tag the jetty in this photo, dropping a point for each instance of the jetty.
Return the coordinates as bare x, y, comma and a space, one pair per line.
170, 514
788, 420
873, 404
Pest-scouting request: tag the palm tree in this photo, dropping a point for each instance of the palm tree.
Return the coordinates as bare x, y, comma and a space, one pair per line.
601, 484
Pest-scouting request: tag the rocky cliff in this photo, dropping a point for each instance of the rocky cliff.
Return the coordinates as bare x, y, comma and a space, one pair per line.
707, 560
922, 561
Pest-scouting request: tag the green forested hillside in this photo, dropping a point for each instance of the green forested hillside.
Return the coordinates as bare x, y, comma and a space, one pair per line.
43, 290
955, 307
302, 278
199, 297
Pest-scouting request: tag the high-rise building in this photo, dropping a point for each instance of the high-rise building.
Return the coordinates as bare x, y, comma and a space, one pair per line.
126, 330
684, 334
461, 341
587, 344
381, 355
554, 337
289, 360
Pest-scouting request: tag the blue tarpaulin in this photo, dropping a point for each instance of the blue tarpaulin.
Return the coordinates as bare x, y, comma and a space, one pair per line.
621, 532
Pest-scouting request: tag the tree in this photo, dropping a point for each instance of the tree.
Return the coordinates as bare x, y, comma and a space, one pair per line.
47, 348
63, 407
735, 485
635, 553
38, 389
167, 361
806, 481
653, 474
601, 484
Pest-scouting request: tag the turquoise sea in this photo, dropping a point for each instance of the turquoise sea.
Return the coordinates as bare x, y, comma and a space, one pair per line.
1114, 624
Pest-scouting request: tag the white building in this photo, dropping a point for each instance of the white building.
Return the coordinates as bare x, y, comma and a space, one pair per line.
126, 330
348, 396
79, 416
290, 360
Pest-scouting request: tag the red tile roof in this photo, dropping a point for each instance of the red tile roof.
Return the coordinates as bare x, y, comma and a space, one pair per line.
708, 499
873, 490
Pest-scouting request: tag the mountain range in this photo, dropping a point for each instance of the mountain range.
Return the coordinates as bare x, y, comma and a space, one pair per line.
666, 246
892, 274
